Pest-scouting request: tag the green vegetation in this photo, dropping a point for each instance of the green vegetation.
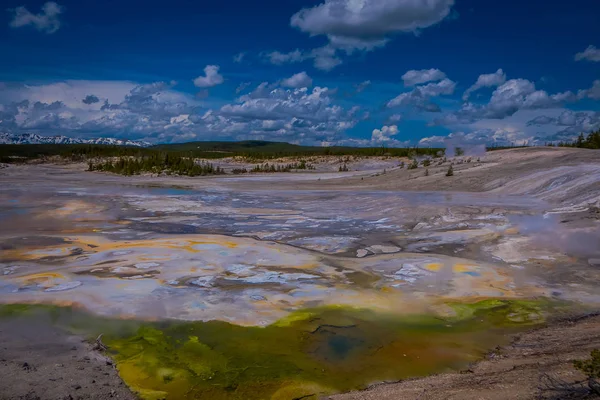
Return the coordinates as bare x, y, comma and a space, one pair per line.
156, 163
591, 141
450, 171
413, 165
251, 150
11, 153
263, 150
426, 162
590, 367
302, 165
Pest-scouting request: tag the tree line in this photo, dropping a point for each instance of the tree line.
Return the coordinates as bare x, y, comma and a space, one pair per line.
156, 163
591, 141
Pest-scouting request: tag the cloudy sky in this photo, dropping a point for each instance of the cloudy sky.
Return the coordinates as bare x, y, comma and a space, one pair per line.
352, 72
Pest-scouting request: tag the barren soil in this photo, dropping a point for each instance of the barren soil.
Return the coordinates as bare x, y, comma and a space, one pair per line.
41, 361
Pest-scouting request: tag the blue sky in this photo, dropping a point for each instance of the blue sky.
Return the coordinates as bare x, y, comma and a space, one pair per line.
353, 72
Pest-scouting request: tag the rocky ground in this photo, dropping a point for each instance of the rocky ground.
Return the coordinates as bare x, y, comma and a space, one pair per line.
41, 361
38, 360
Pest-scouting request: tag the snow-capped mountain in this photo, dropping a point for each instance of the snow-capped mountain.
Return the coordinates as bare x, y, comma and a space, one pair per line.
32, 138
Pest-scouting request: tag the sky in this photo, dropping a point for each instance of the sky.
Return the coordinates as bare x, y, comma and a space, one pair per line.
326, 72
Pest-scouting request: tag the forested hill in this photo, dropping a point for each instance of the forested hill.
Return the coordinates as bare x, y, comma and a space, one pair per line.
264, 149
209, 150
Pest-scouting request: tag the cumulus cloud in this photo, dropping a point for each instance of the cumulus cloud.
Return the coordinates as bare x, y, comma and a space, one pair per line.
590, 54
130, 110
592, 93
211, 77
526, 126
570, 123
477, 139
294, 115
46, 21
279, 58
420, 97
517, 94
155, 112
506, 100
358, 25
384, 134
394, 118
90, 99
365, 22
486, 80
298, 80
324, 58
417, 77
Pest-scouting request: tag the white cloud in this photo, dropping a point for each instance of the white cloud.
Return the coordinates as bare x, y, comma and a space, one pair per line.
294, 115
369, 21
590, 54
279, 58
592, 93
324, 58
384, 134
506, 100
211, 77
298, 80
570, 123
358, 25
69, 92
526, 126
475, 141
395, 118
123, 109
46, 21
420, 97
417, 77
486, 80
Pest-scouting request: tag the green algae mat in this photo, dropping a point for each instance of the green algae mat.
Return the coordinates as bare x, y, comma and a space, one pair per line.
307, 354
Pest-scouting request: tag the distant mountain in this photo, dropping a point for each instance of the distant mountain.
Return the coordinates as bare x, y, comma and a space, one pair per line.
32, 138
